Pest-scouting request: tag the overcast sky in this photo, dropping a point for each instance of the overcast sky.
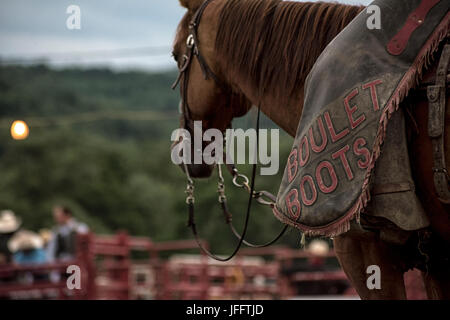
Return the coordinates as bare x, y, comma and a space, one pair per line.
36, 29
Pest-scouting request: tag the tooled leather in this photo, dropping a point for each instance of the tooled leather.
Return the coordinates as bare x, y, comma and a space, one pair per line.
340, 80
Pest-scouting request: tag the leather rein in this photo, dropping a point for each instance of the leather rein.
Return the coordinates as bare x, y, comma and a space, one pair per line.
239, 180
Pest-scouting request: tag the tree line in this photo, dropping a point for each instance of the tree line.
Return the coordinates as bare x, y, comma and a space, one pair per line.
115, 174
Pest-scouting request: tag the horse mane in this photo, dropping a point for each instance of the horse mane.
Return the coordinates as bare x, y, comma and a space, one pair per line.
273, 44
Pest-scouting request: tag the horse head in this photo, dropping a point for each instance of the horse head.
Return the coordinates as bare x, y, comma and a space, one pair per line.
233, 54
206, 95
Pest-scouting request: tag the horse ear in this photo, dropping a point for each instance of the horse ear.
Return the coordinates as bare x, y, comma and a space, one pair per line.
191, 5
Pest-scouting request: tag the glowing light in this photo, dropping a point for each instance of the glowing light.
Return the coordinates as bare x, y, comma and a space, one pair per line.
19, 130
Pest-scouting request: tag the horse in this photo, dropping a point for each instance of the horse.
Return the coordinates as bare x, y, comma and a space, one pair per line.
259, 53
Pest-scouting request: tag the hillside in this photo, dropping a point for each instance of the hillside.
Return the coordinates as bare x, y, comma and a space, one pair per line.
100, 142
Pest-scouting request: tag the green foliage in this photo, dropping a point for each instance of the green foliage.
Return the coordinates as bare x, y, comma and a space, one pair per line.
44, 92
114, 174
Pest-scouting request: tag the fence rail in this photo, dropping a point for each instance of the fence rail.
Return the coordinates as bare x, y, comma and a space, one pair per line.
109, 272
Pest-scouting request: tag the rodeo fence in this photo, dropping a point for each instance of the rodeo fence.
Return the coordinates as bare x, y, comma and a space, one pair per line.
124, 267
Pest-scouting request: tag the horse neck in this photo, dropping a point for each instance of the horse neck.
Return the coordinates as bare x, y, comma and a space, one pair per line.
286, 115
283, 105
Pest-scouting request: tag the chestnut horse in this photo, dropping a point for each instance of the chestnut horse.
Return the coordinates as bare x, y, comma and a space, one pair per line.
261, 52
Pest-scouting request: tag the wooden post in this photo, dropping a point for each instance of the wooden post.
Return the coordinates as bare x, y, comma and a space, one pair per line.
124, 275
85, 256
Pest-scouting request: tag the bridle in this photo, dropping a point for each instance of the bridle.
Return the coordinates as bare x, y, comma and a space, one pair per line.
192, 50
239, 180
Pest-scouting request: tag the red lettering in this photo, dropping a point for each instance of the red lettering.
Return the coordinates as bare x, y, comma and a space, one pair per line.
312, 186
334, 181
304, 160
334, 137
292, 165
373, 93
361, 142
351, 110
323, 134
293, 205
342, 155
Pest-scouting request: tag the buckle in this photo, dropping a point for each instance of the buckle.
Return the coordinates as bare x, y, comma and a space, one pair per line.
190, 42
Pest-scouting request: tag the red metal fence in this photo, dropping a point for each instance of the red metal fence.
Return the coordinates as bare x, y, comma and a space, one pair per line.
124, 267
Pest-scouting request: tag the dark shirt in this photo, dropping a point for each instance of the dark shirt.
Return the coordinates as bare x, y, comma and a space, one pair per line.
4, 250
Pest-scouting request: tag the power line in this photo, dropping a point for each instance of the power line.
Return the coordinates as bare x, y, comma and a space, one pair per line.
82, 56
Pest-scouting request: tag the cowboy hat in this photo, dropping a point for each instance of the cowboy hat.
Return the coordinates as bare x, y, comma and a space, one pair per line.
25, 240
319, 248
9, 222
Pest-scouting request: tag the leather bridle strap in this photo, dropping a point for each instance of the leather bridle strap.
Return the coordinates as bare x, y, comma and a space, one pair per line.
190, 200
262, 197
192, 46
192, 50
249, 244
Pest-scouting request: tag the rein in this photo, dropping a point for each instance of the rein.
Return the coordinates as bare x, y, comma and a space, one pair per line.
239, 180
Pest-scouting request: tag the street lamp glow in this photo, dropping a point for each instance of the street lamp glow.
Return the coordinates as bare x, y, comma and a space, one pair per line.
19, 130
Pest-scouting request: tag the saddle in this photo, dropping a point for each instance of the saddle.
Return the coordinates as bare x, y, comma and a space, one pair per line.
350, 157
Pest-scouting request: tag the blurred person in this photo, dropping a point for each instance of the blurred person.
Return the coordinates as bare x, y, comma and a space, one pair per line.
27, 248
46, 236
318, 250
316, 262
62, 245
9, 224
